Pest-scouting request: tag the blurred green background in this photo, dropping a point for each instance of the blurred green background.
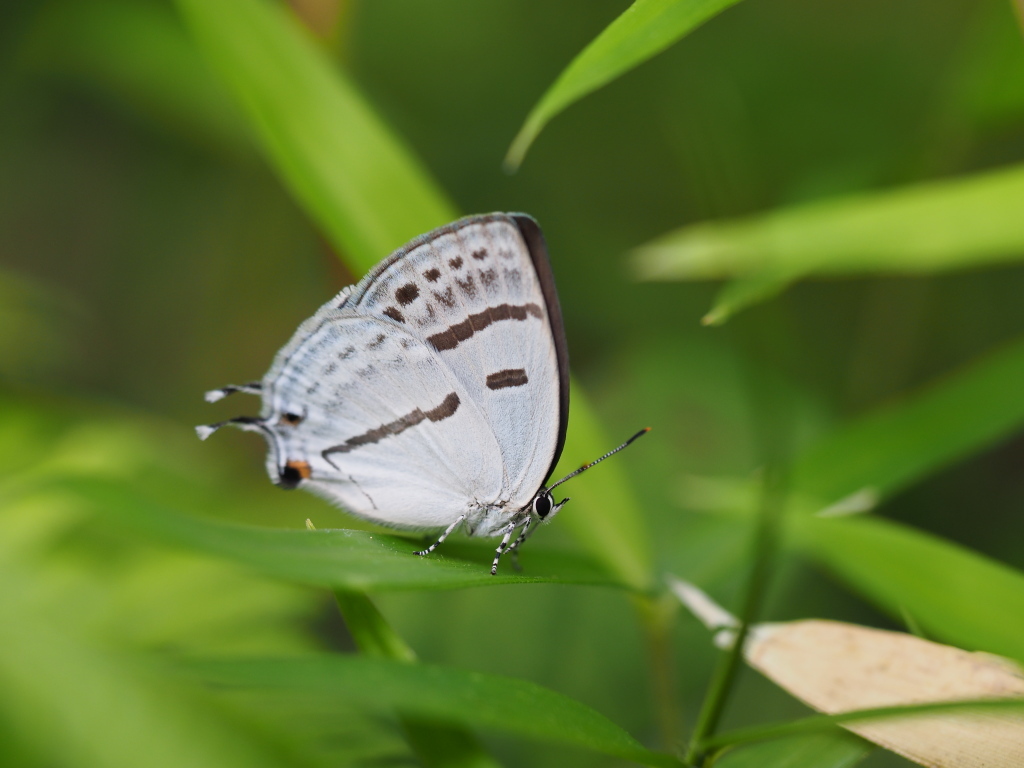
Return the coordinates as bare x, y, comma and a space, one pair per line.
149, 253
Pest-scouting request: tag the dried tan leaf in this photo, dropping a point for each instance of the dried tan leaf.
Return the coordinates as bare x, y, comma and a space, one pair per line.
836, 667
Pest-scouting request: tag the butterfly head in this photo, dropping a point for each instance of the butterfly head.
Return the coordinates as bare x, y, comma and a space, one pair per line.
544, 506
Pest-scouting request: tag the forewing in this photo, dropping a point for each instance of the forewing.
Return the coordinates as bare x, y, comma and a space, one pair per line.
384, 427
479, 292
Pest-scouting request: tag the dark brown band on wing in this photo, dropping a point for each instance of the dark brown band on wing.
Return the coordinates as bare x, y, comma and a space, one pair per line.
451, 336
447, 408
510, 377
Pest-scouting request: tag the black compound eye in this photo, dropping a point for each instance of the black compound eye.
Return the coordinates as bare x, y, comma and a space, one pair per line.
291, 419
542, 505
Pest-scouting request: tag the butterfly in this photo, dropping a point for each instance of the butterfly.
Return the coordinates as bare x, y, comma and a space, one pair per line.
433, 394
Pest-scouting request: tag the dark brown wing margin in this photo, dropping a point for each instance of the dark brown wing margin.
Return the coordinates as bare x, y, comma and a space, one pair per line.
531, 233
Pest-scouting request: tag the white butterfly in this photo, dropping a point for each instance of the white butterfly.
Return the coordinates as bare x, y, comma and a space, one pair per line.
434, 393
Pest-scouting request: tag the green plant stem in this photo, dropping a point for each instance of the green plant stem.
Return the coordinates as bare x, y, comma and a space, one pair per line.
370, 631
437, 745
819, 723
765, 545
656, 616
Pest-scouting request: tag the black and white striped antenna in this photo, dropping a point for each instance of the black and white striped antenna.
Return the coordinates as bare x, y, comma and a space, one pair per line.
612, 452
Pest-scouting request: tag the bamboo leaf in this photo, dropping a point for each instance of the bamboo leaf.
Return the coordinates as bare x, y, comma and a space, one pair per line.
924, 228
744, 292
1012, 706
450, 695
645, 29
832, 749
351, 173
899, 444
336, 559
955, 594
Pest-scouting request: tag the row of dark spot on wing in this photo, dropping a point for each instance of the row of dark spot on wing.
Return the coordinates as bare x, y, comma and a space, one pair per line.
408, 293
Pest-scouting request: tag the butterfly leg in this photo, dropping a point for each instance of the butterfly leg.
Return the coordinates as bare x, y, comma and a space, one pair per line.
514, 549
503, 547
441, 538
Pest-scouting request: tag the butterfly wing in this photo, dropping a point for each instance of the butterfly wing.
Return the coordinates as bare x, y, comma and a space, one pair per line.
480, 293
373, 419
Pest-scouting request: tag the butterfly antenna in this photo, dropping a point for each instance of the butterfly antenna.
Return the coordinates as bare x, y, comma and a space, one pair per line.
612, 452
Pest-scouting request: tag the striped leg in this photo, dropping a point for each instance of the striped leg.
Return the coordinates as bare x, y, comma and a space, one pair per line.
514, 549
509, 530
441, 538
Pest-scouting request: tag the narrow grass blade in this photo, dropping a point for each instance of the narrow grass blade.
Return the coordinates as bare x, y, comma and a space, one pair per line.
645, 29
899, 444
450, 695
956, 595
930, 227
348, 170
336, 559
833, 749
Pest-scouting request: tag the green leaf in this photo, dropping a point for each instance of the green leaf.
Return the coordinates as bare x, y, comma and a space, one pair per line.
956, 595
348, 170
446, 694
744, 292
899, 444
336, 559
827, 723
930, 227
645, 29
436, 744
953, 593
833, 749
